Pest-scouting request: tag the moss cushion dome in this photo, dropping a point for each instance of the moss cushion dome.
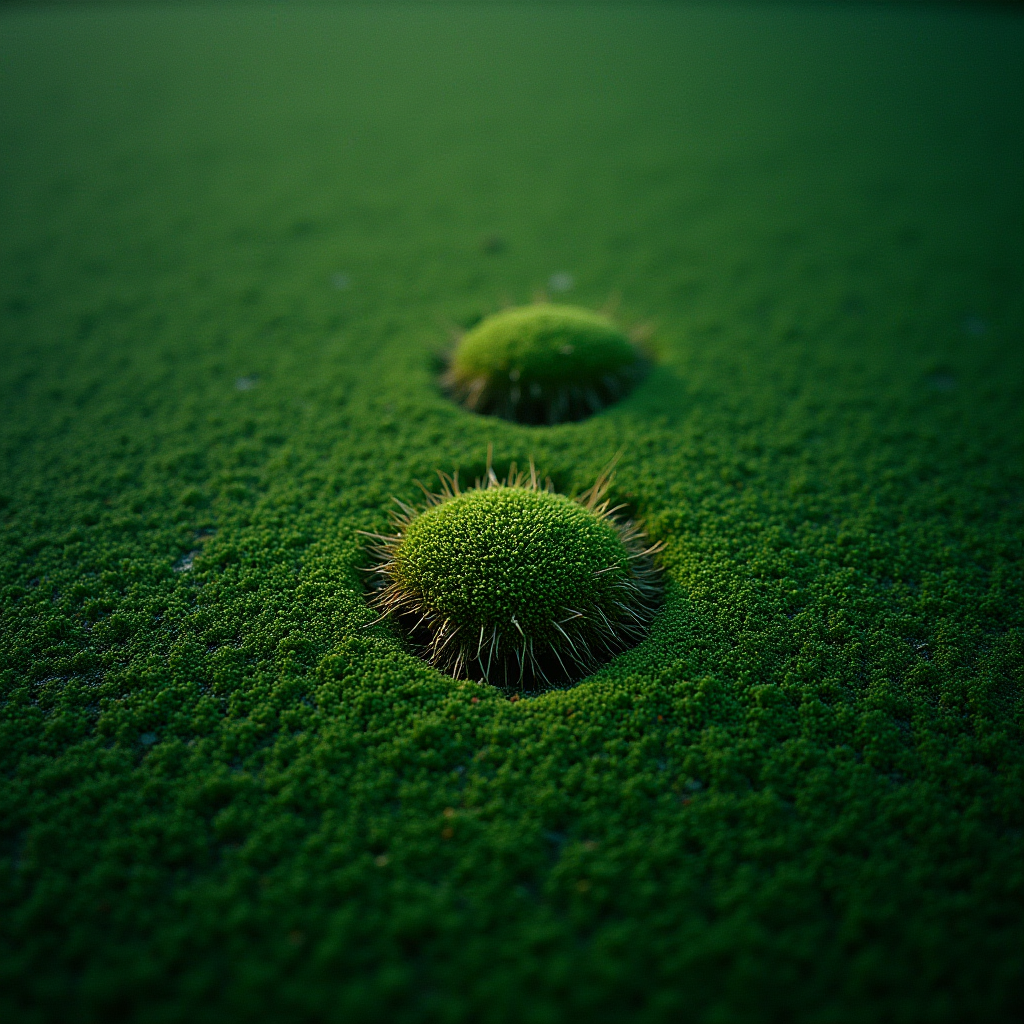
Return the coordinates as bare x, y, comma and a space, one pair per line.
509, 554
544, 363
515, 584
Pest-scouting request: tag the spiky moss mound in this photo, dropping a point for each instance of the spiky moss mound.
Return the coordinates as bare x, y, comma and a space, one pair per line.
514, 584
542, 364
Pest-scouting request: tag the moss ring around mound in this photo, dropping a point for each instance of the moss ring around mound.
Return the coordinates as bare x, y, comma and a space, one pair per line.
544, 363
513, 584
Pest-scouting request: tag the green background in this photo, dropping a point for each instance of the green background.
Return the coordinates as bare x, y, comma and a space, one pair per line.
223, 798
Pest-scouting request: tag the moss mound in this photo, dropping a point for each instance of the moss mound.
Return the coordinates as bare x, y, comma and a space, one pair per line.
542, 364
509, 554
514, 584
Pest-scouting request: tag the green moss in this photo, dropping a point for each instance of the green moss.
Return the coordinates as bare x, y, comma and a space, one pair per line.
542, 364
509, 552
517, 585
225, 795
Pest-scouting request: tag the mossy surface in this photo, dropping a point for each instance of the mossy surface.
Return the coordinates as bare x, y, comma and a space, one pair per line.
488, 555
543, 363
230, 239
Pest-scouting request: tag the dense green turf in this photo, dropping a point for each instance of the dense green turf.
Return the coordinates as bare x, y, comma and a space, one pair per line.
230, 241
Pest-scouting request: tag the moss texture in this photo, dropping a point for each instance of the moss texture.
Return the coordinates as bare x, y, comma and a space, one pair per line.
543, 363
227, 244
515, 585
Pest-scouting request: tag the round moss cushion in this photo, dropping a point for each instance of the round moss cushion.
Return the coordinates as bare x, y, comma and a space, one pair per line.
516, 585
509, 555
542, 364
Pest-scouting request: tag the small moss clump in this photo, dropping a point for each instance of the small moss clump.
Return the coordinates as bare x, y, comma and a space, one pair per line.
542, 364
514, 584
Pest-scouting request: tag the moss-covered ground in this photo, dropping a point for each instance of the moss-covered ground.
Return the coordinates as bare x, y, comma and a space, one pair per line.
231, 241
